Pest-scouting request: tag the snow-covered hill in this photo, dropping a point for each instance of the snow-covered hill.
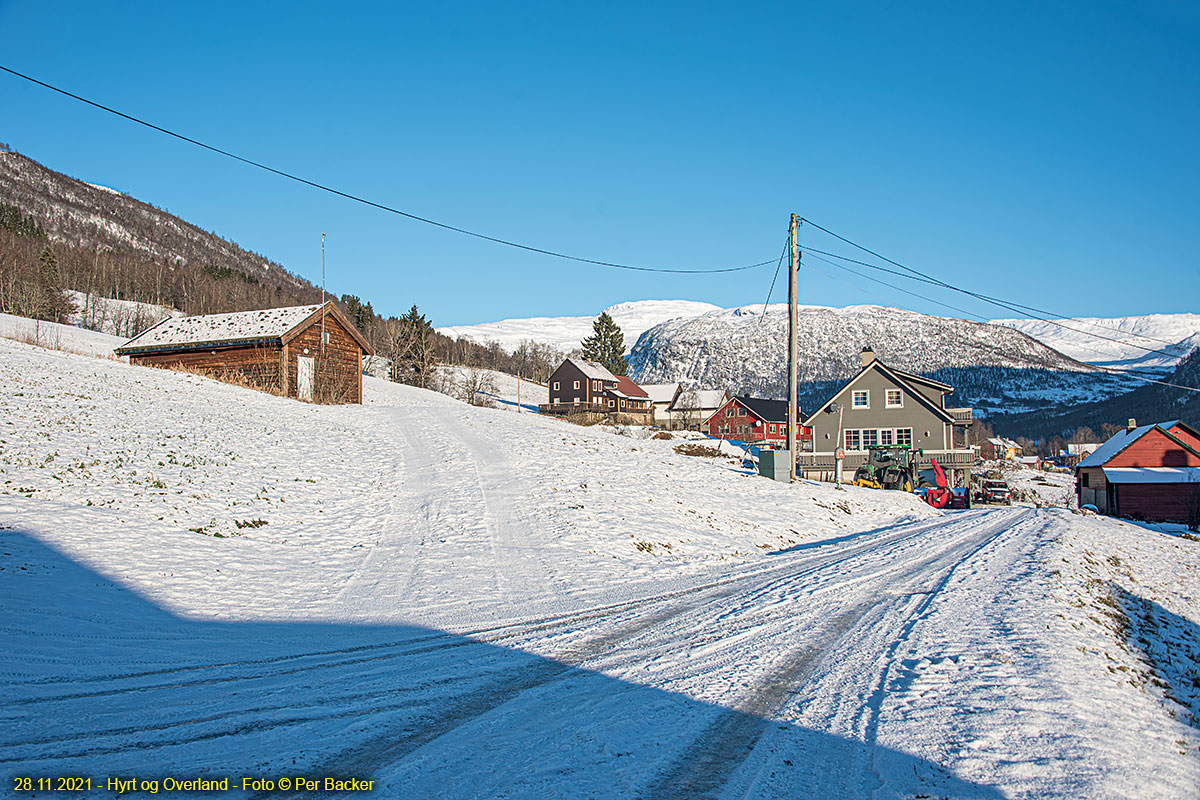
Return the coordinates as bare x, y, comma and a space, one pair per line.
565, 333
1091, 339
992, 367
203, 581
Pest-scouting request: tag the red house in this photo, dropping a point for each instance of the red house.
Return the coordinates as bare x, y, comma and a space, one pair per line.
751, 419
1150, 473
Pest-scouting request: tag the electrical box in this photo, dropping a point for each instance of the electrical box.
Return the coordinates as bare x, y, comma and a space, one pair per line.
775, 464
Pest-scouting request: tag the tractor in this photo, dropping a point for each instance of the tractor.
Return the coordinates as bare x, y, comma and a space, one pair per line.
889, 467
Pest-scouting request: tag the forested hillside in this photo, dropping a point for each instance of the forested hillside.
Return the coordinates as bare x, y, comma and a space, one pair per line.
59, 233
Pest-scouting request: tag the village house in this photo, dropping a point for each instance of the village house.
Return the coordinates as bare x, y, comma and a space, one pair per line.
693, 406
1150, 473
662, 396
749, 419
580, 386
1000, 449
310, 353
882, 405
1077, 451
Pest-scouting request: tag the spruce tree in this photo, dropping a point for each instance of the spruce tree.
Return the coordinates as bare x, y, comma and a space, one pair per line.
606, 345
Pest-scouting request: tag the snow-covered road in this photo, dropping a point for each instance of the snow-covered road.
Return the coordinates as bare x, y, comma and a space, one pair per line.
460, 602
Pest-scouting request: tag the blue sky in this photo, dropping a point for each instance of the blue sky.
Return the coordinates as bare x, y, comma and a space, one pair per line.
1045, 153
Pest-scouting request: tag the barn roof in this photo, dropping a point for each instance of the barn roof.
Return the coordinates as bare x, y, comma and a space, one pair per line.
1119, 441
593, 370
239, 327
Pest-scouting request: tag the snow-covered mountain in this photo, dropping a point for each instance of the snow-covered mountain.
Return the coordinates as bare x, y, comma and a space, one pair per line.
565, 333
1137, 339
994, 368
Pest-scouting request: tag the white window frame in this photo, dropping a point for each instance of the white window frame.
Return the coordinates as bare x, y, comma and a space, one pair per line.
771, 427
889, 434
556, 386
887, 396
909, 431
576, 384
865, 394
852, 434
870, 438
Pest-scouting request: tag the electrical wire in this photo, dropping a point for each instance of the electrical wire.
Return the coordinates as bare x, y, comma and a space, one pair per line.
776, 277
1049, 316
373, 204
1132, 374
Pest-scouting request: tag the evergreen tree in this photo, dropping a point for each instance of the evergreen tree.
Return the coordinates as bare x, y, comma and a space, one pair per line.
606, 345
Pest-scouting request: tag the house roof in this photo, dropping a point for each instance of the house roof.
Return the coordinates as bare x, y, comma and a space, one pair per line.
768, 410
239, 327
630, 388
1079, 448
1152, 474
904, 379
1119, 441
661, 392
593, 370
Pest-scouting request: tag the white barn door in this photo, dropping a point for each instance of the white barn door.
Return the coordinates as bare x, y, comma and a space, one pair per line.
306, 376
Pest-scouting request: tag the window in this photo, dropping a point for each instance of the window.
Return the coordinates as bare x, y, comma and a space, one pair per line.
861, 399
576, 384
576, 401
324, 337
895, 398
904, 437
1086, 481
771, 428
596, 386
611, 403
853, 440
870, 438
556, 387
887, 437
741, 412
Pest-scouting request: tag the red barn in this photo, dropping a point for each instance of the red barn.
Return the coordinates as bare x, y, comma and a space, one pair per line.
1150, 473
751, 419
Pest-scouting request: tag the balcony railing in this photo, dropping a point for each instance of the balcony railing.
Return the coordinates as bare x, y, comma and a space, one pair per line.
564, 409
961, 416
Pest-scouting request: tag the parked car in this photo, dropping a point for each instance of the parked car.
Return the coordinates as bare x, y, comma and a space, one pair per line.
995, 492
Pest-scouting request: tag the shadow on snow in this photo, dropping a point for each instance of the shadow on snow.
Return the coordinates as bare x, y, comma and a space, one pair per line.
97, 681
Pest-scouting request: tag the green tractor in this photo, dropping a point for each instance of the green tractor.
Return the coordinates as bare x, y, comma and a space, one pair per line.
889, 467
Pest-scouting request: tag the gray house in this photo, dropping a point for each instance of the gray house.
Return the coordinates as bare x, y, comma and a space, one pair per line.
884, 406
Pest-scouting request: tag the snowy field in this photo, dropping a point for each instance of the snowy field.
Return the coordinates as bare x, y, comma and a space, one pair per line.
204, 581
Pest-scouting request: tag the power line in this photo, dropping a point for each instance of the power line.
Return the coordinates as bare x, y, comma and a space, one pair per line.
772, 289
373, 204
1048, 316
1133, 374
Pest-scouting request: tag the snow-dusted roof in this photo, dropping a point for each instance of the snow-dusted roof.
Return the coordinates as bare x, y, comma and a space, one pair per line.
239, 326
700, 399
660, 392
1079, 448
1119, 441
1152, 474
592, 370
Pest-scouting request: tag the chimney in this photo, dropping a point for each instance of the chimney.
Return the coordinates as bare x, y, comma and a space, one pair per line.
1131, 425
868, 355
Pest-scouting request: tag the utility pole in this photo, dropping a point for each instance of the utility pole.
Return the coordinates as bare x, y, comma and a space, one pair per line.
323, 292
793, 411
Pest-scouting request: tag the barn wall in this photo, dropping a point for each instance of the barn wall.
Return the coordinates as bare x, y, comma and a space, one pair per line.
257, 367
339, 371
1182, 434
1158, 502
1154, 449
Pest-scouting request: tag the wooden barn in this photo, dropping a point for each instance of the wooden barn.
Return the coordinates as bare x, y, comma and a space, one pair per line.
1150, 473
311, 353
